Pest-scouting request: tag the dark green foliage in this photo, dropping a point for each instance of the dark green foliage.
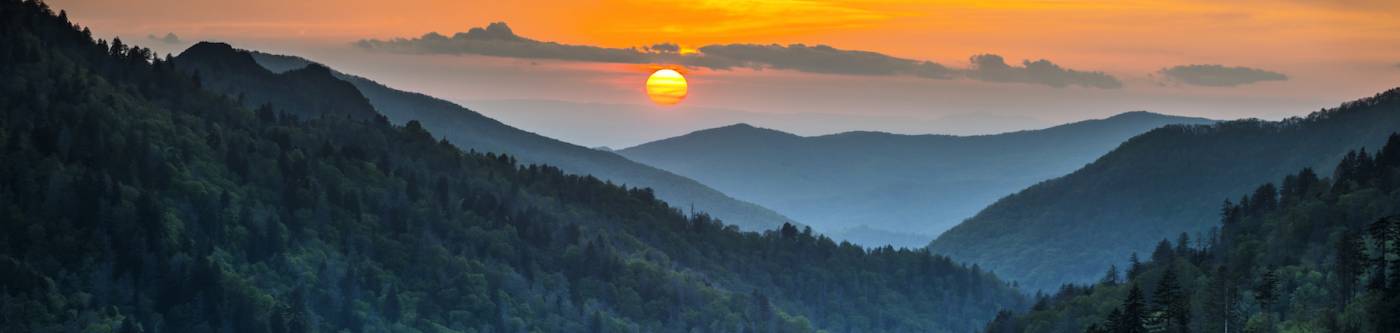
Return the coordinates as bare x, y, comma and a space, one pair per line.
1320, 257
1171, 306
132, 200
1165, 182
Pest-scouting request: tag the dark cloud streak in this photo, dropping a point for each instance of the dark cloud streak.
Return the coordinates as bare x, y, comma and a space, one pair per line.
169, 38
497, 39
991, 67
1219, 75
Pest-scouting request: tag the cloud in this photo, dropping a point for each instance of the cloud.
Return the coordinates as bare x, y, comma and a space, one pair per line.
665, 48
991, 67
169, 38
497, 39
815, 59
1218, 75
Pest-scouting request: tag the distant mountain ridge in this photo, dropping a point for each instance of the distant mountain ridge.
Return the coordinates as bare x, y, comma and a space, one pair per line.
1154, 186
302, 91
865, 186
471, 130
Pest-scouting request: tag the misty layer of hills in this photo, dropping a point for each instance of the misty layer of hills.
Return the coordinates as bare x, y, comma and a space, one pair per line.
877, 188
1156, 185
471, 130
595, 124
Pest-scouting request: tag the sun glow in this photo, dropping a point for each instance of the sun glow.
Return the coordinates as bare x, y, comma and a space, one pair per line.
666, 87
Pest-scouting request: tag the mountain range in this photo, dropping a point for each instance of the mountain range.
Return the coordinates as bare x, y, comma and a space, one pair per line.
135, 199
877, 188
594, 124
472, 131
1156, 185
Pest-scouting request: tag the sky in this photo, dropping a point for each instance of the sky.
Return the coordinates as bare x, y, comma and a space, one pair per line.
576, 70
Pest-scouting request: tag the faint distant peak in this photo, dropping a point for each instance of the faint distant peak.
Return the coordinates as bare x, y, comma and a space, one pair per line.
1141, 115
736, 134
741, 129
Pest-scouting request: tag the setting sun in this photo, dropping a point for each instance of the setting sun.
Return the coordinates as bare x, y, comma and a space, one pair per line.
666, 87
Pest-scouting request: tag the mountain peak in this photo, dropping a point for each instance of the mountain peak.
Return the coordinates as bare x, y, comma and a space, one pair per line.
738, 126
221, 54
211, 46
315, 69
741, 130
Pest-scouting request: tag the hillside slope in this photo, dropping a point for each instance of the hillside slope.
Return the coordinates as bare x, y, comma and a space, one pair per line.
866, 186
1154, 186
1311, 254
132, 200
471, 130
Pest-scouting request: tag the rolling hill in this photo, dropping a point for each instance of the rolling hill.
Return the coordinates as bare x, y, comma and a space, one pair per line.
1307, 253
1156, 185
878, 188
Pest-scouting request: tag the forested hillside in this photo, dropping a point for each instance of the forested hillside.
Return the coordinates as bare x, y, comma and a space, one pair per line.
471, 130
870, 186
135, 201
1155, 186
1311, 254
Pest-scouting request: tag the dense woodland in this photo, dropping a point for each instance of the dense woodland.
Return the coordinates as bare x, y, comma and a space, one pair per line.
1311, 254
133, 200
1155, 185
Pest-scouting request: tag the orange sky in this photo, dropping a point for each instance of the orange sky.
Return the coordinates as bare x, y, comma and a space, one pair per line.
1075, 32
1332, 50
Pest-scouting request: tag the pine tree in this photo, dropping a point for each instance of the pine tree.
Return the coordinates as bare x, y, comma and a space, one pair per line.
1163, 254
1266, 293
1110, 278
1220, 303
1172, 303
1134, 315
1350, 263
1135, 267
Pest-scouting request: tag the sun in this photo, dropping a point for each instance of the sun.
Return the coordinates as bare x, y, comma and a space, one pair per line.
666, 87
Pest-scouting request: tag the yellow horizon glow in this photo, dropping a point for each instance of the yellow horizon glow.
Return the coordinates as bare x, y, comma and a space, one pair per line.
1128, 36
666, 87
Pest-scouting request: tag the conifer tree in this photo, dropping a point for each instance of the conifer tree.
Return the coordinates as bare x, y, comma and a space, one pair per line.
1134, 315
1172, 303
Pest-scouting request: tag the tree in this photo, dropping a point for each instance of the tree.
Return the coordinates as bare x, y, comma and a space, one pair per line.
1266, 293
392, 310
1134, 315
1134, 267
1350, 261
1183, 244
1110, 278
1164, 253
1172, 303
1219, 308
